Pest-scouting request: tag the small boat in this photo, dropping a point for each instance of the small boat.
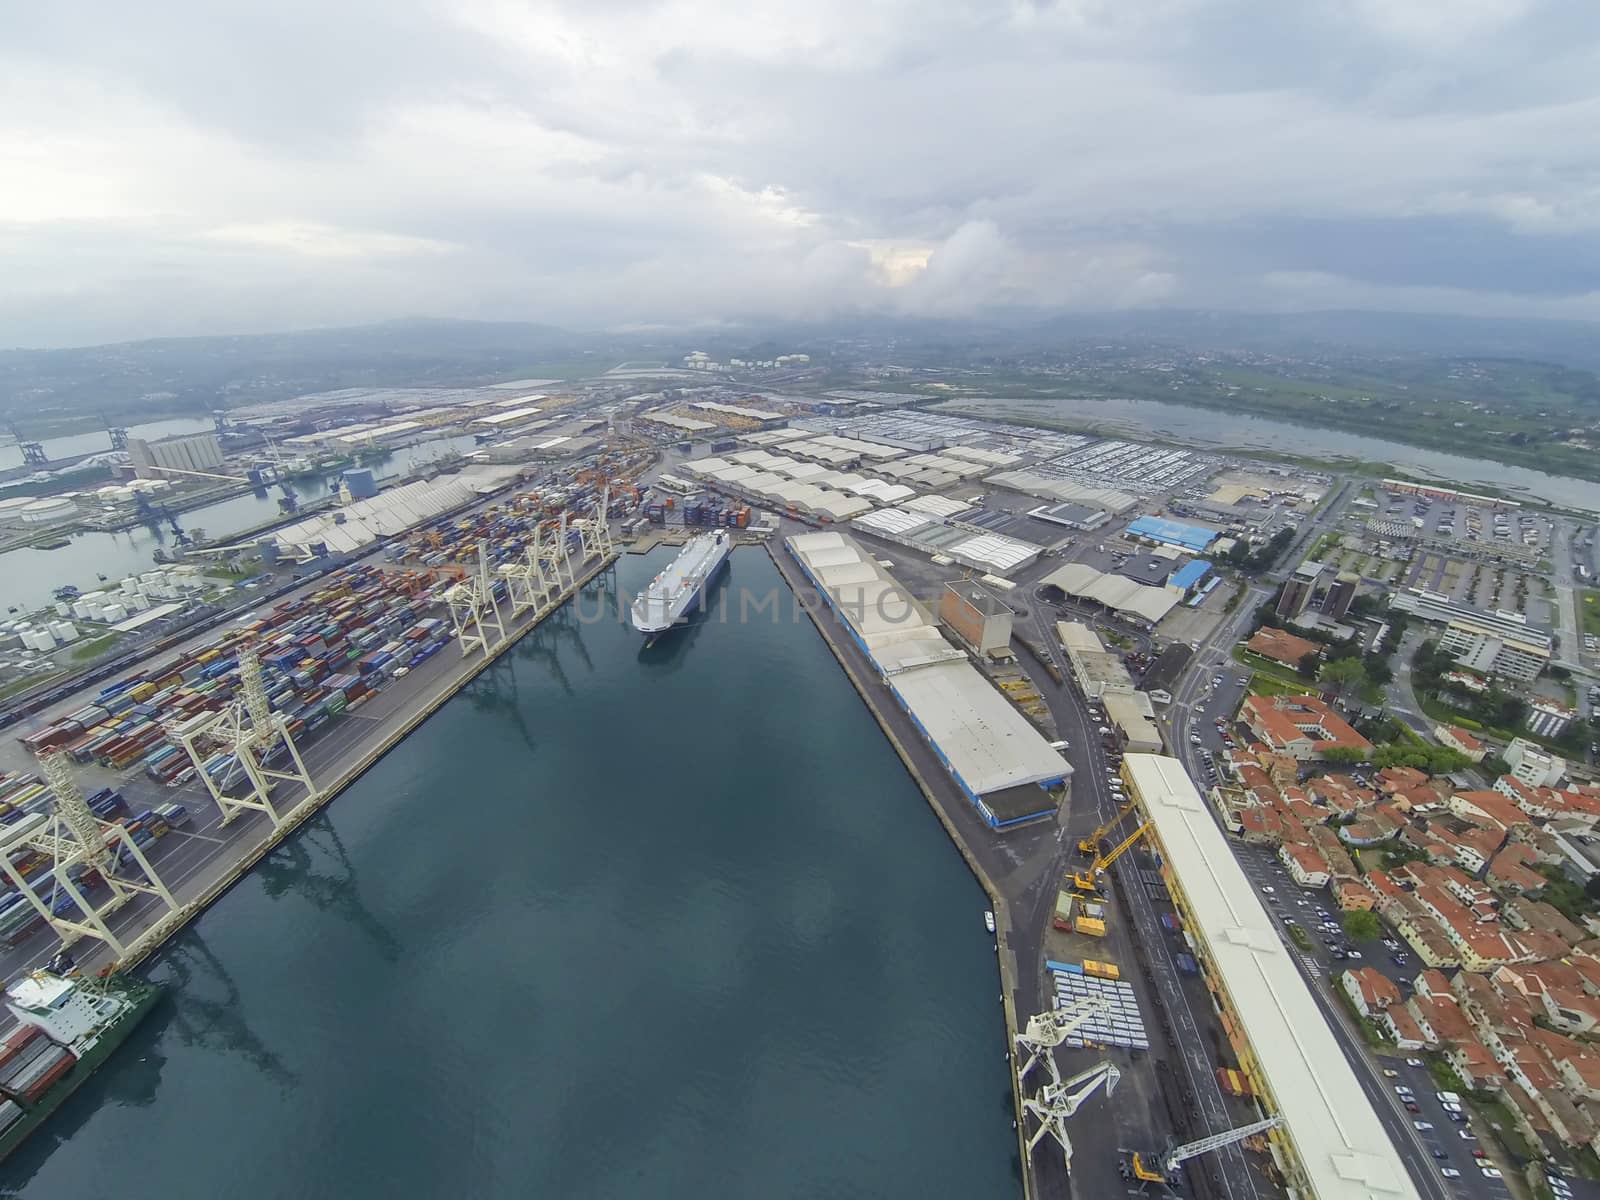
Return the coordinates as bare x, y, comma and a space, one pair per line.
988, 921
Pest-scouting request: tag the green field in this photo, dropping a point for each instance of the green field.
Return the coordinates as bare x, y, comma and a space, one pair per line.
1589, 607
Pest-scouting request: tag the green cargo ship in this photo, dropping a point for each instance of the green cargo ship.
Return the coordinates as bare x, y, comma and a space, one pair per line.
87, 1018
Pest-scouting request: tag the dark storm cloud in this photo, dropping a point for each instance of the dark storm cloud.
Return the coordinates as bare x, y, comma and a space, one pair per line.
176, 167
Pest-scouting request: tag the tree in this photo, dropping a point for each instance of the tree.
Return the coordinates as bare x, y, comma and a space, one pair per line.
1360, 926
1307, 667
1494, 765
1346, 756
1343, 675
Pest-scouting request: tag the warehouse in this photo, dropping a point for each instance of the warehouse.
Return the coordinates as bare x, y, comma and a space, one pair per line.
1066, 491
1331, 1144
1000, 761
1132, 601
679, 424
1162, 532
989, 552
390, 512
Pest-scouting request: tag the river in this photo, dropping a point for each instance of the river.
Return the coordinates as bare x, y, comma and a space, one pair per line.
1189, 426
613, 924
28, 575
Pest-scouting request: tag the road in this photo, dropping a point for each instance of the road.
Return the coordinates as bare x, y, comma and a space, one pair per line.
1092, 803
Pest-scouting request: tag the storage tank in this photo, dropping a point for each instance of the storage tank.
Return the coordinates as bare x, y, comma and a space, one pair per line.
47, 509
63, 609
64, 631
39, 639
361, 482
11, 507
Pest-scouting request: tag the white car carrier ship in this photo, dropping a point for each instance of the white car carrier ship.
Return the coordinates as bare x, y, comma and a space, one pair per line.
679, 590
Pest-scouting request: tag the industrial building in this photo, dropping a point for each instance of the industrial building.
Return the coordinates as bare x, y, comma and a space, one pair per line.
347, 529
1331, 1144
992, 553
1073, 516
980, 619
1497, 643
1100, 675
1161, 532
1135, 602
188, 453
1000, 761
1064, 491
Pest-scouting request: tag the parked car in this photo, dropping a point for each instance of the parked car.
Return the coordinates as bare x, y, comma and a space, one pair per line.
1422, 1126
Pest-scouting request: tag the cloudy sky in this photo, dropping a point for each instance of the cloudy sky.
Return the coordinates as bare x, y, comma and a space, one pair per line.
176, 167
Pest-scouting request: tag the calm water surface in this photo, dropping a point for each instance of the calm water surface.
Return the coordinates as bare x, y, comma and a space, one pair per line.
612, 924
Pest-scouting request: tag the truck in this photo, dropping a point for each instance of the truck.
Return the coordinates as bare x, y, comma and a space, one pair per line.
1186, 964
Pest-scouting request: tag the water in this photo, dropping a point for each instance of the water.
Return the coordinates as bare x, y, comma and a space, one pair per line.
28, 575
667, 925
1185, 425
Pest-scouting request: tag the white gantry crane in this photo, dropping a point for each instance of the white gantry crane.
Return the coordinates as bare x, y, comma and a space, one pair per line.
533, 584
1047, 1030
1060, 1098
75, 842
474, 611
594, 531
248, 730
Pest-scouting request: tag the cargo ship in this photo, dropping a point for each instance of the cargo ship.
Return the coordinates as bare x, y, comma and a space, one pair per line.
70, 1026
678, 590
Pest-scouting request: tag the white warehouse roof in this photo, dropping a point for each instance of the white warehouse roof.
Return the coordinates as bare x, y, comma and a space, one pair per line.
1116, 592
1343, 1147
988, 744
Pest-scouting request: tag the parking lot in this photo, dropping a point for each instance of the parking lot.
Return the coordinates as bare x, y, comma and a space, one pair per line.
1446, 1130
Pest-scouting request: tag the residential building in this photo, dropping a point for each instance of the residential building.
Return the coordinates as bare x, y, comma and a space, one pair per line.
1302, 726
1300, 588
1511, 871
1401, 1027
1369, 990
1455, 738
1534, 765
1340, 593
1306, 866
1281, 646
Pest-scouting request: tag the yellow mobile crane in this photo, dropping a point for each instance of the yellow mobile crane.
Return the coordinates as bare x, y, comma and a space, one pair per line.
1087, 881
1090, 846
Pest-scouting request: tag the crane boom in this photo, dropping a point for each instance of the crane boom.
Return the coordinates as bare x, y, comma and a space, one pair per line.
1090, 845
1088, 881
1181, 1154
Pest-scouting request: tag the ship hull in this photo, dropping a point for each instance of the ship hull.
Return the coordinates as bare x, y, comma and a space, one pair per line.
144, 997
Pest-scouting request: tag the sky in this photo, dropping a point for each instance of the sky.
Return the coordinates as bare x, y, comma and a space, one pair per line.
177, 167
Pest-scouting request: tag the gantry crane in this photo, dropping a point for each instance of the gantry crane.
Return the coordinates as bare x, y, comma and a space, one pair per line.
1060, 1098
1090, 845
1087, 882
1163, 1168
